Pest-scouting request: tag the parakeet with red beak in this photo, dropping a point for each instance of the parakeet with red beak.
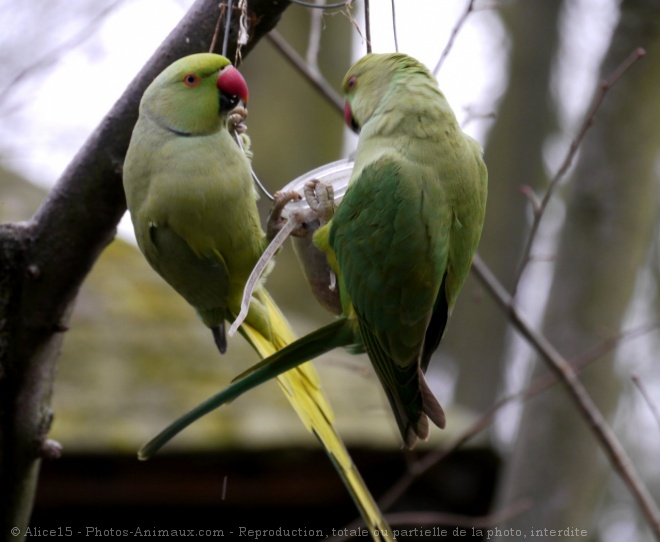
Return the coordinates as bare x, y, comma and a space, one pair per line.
192, 201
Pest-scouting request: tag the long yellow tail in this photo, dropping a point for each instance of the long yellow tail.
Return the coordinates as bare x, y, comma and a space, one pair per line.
303, 389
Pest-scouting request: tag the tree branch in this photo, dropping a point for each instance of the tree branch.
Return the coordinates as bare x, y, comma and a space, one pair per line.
313, 76
450, 43
44, 262
539, 207
563, 370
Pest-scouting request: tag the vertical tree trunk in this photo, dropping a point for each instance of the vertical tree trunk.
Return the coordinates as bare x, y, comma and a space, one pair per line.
610, 219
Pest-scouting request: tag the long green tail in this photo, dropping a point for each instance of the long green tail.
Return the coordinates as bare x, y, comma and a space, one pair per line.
334, 335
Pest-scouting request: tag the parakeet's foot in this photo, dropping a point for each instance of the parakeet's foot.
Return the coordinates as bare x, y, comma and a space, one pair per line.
275, 221
321, 199
236, 119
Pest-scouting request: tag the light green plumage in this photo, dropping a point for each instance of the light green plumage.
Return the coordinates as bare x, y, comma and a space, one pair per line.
186, 181
191, 197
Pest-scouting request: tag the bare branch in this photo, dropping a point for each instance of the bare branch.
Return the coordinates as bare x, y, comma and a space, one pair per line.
611, 343
539, 211
563, 370
222, 9
316, 79
452, 37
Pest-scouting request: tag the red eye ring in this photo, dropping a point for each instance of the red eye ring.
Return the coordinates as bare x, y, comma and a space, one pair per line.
352, 82
191, 80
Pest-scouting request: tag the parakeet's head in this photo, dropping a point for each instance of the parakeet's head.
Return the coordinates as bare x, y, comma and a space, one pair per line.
193, 95
370, 79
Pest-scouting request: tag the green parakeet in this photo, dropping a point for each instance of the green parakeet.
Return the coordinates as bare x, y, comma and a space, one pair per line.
193, 205
403, 237
401, 241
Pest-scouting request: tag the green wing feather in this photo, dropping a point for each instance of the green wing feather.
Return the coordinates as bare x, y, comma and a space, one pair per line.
334, 335
403, 237
392, 290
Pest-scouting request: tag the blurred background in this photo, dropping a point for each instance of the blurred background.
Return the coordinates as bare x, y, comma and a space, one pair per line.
520, 77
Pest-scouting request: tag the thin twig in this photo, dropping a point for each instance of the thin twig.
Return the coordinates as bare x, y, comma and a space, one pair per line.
539, 211
367, 25
222, 8
316, 79
529, 193
604, 434
647, 397
610, 343
394, 32
353, 21
452, 37
535, 388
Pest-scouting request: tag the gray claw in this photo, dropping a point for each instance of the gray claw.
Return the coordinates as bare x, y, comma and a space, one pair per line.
321, 199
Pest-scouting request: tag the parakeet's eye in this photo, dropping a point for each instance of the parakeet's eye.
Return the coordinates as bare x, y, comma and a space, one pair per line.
352, 82
191, 80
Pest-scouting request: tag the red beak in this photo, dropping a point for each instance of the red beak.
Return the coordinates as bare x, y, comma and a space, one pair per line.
348, 117
231, 82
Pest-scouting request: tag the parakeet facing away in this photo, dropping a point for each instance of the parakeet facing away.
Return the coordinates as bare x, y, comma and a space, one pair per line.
193, 205
403, 237
401, 241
